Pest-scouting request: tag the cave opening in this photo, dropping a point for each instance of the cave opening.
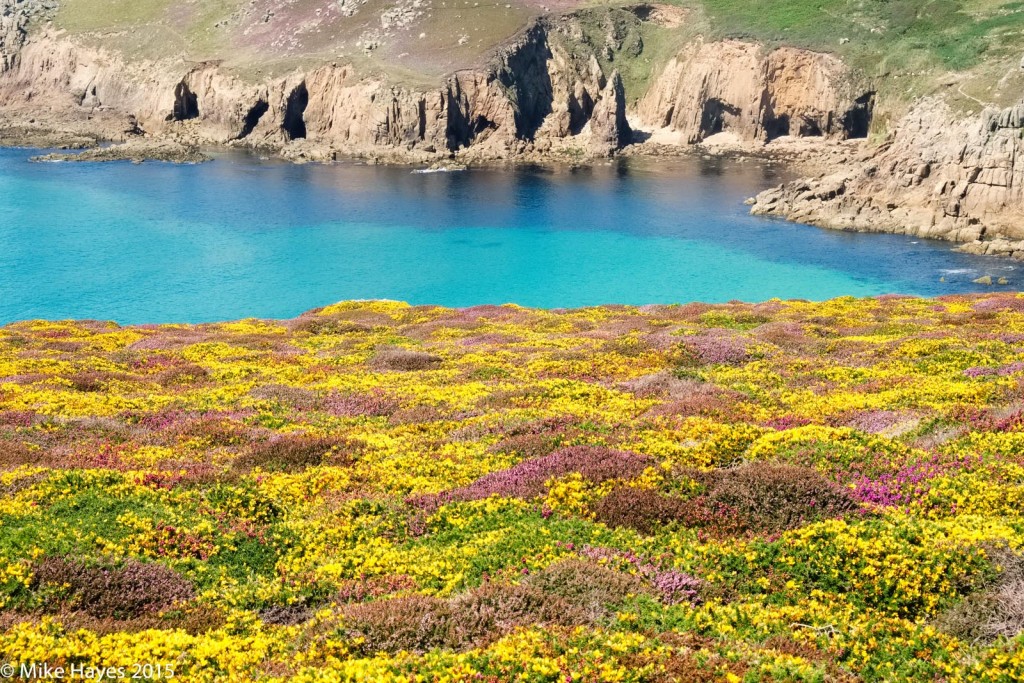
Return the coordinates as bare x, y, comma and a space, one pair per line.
186, 104
857, 120
253, 118
809, 128
777, 126
294, 124
712, 119
580, 111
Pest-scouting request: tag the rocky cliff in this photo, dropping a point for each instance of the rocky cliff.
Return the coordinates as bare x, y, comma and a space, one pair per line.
530, 89
14, 19
937, 175
553, 87
740, 87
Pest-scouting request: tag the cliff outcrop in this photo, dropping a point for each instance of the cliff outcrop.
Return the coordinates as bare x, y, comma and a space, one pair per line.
937, 175
609, 127
757, 94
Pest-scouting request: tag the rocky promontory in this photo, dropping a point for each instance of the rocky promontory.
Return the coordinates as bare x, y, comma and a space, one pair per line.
937, 176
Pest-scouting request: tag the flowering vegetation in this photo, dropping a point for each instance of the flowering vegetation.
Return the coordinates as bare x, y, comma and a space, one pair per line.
377, 492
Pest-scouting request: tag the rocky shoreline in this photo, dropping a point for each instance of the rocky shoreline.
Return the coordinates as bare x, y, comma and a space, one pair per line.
936, 176
135, 152
808, 156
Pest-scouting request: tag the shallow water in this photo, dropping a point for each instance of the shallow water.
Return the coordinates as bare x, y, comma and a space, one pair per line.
242, 237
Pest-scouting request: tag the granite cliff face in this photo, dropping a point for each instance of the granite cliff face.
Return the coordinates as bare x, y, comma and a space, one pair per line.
553, 87
528, 91
937, 176
740, 87
14, 17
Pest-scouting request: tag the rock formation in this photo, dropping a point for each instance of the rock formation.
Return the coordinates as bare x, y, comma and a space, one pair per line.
739, 87
609, 129
936, 176
552, 86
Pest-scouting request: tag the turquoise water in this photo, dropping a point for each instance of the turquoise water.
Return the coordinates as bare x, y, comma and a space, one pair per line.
242, 237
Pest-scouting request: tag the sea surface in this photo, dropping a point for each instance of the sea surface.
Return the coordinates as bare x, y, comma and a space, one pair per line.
247, 237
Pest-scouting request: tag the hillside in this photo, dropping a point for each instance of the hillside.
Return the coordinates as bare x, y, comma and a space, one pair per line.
783, 491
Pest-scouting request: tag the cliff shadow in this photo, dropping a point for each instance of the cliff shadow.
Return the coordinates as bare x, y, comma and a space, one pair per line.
186, 104
857, 120
526, 79
294, 123
252, 118
714, 115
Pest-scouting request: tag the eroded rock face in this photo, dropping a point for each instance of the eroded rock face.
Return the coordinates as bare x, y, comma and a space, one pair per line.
551, 87
738, 87
937, 176
12, 33
14, 19
530, 90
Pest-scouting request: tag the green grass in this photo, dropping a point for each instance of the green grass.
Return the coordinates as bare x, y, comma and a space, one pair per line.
954, 34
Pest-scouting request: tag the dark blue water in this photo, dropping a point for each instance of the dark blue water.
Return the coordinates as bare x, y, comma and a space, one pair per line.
241, 237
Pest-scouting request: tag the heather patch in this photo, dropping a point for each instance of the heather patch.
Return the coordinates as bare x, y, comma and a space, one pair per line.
528, 479
133, 589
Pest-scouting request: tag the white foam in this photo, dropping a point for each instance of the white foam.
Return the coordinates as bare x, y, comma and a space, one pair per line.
441, 169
